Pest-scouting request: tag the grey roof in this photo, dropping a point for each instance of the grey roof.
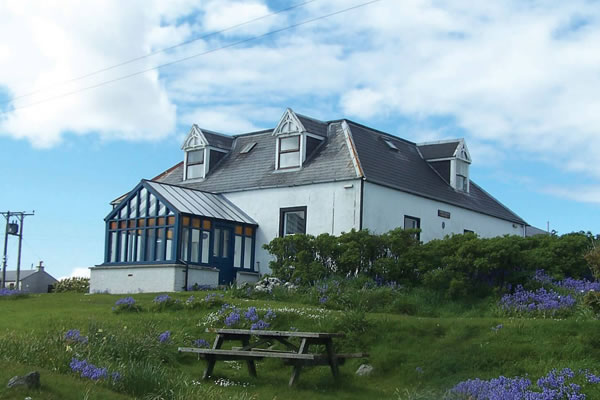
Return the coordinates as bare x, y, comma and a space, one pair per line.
12, 275
331, 161
406, 170
218, 139
533, 231
431, 151
403, 169
196, 202
313, 126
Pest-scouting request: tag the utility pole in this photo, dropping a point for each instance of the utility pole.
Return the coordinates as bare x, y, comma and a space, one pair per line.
16, 229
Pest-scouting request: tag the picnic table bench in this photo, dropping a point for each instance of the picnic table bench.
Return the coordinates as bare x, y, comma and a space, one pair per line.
297, 356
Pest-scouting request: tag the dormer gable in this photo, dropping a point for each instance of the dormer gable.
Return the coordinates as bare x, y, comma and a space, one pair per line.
451, 159
202, 151
294, 143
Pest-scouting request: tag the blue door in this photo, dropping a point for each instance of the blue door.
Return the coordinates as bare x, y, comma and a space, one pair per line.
222, 253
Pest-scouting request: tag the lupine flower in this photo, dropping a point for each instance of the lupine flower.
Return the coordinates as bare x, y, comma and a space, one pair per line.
125, 301
88, 370
9, 292
323, 300
251, 314
74, 335
190, 300
497, 328
164, 337
201, 343
162, 298
541, 300
260, 325
270, 314
232, 319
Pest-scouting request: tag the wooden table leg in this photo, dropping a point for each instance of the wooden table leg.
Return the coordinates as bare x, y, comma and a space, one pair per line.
298, 365
211, 360
332, 358
251, 365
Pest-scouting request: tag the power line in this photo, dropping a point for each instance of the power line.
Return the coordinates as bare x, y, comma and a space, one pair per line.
251, 39
163, 50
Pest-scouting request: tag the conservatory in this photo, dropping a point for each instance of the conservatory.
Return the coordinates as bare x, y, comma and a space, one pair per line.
166, 238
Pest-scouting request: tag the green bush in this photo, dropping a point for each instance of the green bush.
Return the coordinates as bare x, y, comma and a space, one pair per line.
592, 300
76, 285
593, 260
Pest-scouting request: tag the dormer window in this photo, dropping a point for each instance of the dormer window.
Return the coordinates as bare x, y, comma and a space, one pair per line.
289, 152
195, 164
294, 142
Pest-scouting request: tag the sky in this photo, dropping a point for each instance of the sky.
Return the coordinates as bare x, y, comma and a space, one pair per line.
519, 80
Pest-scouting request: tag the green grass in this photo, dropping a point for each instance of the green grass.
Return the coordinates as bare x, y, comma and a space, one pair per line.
447, 341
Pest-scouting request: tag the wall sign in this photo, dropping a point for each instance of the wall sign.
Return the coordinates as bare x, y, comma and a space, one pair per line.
444, 214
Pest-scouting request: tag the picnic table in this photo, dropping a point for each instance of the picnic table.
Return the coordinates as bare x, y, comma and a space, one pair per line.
251, 350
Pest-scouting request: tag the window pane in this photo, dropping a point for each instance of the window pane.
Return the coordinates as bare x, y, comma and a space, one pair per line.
131, 223
162, 209
133, 207
294, 222
237, 252
160, 245
248, 231
123, 212
113, 225
226, 239
143, 201
195, 245
151, 221
217, 244
287, 160
169, 252
150, 242
160, 221
206, 224
123, 224
195, 157
289, 143
248, 253
152, 205
123, 243
140, 249
185, 240
238, 230
141, 223
185, 221
205, 246
112, 256
170, 220
196, 222
195, 171
131, 247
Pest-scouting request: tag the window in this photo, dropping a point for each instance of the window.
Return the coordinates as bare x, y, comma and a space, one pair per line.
289, 152
468, 231
195, 164
292, 220
243, 245
461, 183
391, 145
247, 148
462, 176
412, 223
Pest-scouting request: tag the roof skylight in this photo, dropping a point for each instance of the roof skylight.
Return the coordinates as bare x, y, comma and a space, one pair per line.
391, 145
246, 149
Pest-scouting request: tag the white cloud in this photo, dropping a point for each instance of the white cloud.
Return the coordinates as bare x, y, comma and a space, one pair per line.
582, 194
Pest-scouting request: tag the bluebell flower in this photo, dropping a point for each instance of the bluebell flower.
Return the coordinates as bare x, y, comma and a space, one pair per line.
164, 337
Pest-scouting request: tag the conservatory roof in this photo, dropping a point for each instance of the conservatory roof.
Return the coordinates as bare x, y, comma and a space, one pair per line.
196, 202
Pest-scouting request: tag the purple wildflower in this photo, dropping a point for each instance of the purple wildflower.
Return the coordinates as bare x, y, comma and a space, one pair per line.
201, 343
162, 298
73, 335
323, 300
233, 318
88, 370
541, 300
164, 337
125, 301
251, 314
270, 314
260, 325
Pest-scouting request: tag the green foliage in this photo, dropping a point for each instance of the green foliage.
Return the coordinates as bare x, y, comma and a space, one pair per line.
593, 260
592, 300
75, 285
458, 265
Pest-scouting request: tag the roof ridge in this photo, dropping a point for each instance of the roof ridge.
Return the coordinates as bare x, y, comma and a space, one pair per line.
374, 130
180, 186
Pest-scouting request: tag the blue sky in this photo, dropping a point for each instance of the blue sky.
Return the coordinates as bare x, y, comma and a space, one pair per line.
518, 80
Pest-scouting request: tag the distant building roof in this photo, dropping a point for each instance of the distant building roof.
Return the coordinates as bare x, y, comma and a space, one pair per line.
533, 231
432, 151
12, 275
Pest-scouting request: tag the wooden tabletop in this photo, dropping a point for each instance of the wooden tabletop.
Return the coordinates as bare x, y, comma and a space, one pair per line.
276, 333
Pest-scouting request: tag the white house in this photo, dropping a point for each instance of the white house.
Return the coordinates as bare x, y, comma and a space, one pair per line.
204, 221
31, 281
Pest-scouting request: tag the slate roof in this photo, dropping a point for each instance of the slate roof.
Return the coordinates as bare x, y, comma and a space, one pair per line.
218, 139
406, 170
196, 202
12, 275
403, 169
438, 150
330, 162
313, 126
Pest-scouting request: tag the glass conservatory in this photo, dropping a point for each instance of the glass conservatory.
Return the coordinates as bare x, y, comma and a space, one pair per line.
161, 224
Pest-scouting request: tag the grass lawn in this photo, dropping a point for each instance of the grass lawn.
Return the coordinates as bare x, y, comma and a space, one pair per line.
414, 357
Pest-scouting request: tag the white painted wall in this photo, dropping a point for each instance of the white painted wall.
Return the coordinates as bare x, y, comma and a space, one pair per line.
331, 208
202, 276
132, 279
385, 208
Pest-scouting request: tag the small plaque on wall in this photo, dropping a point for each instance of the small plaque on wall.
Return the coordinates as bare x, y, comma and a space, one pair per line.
444, 214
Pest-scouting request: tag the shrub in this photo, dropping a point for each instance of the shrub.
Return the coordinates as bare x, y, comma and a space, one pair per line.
77, 285
593, 260
592, 300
